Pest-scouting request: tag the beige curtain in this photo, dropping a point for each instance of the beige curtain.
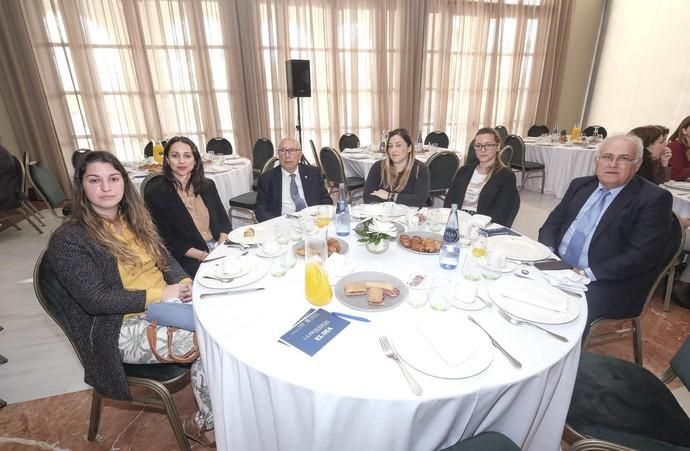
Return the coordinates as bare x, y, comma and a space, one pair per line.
23, 92
118, 73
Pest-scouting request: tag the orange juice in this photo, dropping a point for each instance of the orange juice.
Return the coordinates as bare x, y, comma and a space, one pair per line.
158, 152
478, 251
316, 287
575, 134
322, 221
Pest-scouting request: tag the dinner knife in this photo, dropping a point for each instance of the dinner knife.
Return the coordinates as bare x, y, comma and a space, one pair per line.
515, 362
218, 293
214, 258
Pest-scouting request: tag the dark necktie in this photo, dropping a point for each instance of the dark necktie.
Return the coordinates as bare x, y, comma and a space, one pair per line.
294, 194
584, 226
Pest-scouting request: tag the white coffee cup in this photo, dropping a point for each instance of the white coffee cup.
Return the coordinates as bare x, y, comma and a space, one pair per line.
496, 258
229, 267
271, 247
465, 292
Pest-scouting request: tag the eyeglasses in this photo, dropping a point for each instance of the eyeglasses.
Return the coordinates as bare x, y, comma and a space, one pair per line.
487, 146
622, 159
288, 151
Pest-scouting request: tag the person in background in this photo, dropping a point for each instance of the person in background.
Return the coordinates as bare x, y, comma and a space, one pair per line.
655, 160
290, 187
399, 177
186, 206
111, 261
612, 228
680, 148
486, 187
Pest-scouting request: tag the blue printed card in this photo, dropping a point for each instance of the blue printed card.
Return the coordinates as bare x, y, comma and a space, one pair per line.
314, 330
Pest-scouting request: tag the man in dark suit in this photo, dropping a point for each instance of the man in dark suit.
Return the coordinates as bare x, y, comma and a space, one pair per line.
291, 186
612, 227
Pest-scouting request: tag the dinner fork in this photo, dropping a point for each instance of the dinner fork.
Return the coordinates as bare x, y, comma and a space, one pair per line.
512, 320
390, 353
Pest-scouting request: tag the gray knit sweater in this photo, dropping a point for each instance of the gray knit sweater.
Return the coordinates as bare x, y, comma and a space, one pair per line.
98, 302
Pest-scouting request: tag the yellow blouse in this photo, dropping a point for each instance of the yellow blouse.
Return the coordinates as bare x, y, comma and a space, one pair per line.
143, 276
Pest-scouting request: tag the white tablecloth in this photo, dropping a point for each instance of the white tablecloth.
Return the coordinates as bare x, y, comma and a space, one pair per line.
563, 164
267, 396
360, 167
681, 201
235, 179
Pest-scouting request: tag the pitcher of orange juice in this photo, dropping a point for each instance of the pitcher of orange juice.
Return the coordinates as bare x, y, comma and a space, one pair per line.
575, 133
317, 289
158, 152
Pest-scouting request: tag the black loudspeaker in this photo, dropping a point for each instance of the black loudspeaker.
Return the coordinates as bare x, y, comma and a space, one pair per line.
298, 80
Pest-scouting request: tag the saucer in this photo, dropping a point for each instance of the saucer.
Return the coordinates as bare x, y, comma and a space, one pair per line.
261, 253
509, 267
242, 270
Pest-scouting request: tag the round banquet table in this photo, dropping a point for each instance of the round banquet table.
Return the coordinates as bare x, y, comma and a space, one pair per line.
269, 396
563, 164
358, 163
233, 178
681, 197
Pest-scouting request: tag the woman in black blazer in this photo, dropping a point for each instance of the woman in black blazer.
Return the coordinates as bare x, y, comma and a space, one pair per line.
486, 187
185, 206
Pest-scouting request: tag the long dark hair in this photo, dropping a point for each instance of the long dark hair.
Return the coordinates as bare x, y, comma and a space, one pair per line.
678, 134
197, 181
648, 134
391, 179
131, 210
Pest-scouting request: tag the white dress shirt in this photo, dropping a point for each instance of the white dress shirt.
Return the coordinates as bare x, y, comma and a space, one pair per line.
288, 206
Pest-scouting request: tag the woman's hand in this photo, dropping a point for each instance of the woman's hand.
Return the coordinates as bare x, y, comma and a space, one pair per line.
381, 194
180, 291
666, 157
196, 254
222, 238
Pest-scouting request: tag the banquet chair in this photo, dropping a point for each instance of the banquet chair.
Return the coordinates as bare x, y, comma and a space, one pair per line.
528, 169
348, 141
25, 162
589, 131
317, 160
246, 203
146, 181
437, 137
13, 200
535, 131
506, 155
334, 170
490, 440
155, 377
471, 157
261, 153
671, 251
502, 132
513, 213
442, 168
219, 146
77, 157
48, 189
148, 149
625, 406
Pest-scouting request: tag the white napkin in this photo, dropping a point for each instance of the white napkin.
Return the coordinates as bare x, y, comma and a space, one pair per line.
568, 278
337, 267
535, 293
383, 227
448, 341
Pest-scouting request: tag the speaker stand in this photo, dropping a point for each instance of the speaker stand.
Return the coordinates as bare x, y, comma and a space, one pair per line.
299, 122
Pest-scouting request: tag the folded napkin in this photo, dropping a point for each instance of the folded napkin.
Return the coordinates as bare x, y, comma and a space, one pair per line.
337, 267
448, 340
383, 227
567, 279
534, 293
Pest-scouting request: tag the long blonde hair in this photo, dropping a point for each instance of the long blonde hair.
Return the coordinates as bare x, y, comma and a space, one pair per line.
131, 210
391, 179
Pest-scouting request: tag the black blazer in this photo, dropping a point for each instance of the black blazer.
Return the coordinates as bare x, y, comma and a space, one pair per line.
415, 193
626, 245
175, 224
269, 198
496, 199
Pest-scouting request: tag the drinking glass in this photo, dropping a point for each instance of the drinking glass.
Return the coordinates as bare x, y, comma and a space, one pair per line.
317, 289
433, 220
323, 216
441, 294
470, 268
295, 229
479, 243
278, 269
495, 262
282, 232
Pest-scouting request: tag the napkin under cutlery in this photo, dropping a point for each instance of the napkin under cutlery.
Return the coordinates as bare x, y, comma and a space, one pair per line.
538, 295
448, 342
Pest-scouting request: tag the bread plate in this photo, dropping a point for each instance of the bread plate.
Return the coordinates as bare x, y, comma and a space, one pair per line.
423, 235
359, 302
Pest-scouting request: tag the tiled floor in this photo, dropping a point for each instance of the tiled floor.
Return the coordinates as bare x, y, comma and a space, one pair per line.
43, 382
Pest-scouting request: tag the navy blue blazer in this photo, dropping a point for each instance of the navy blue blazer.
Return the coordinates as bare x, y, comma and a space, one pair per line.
626, 246
269, 199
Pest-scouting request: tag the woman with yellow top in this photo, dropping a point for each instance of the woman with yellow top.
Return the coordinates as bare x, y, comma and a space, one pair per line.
186, 206
111, 261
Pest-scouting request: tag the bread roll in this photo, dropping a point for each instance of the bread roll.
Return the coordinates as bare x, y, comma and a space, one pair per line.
355, 289
248, 232
382, 285
375, 296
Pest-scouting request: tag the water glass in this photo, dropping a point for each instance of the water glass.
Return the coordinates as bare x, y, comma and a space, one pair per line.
295, 229
495, 262
416, 298
278, 269
433, 220
470, 268
464, 234
287, 259
441, 294
479, 243
282, 232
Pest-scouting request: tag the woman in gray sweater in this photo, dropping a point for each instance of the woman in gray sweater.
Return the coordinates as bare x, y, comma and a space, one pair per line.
112, 263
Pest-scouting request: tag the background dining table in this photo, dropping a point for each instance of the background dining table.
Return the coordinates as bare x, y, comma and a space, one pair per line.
232, 178
358, 162
563, 163
268, 396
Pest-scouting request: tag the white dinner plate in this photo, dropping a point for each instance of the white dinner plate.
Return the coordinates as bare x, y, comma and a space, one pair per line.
419, 353
423, 235
509, 267
360, 302
519, 247
261, 234
259, 268
531, 312
313, 211
240, 270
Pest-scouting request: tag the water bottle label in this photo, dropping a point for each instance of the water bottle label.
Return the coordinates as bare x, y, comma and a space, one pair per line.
450, 236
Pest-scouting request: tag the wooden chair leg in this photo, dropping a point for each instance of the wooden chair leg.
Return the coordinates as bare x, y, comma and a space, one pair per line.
96, 401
